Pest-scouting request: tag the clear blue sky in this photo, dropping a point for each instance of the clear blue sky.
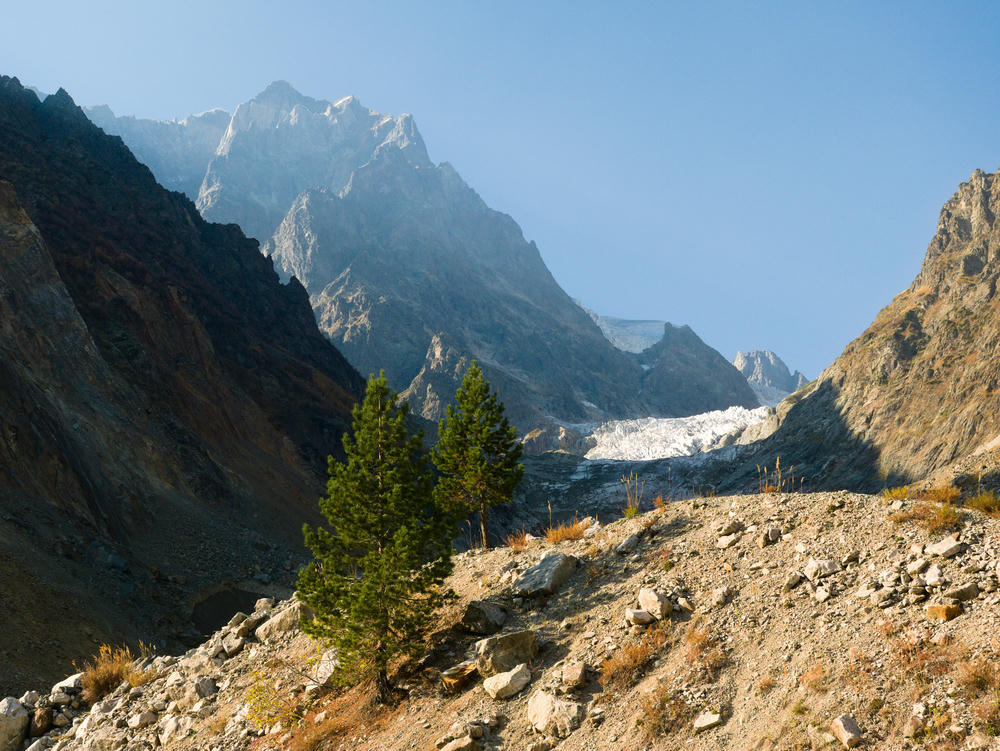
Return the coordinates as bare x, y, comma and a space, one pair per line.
770, 174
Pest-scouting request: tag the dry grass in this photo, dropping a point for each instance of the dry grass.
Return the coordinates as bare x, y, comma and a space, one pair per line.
933, 518
777, 480
919, 658
660, 503
988, 502
977, 676
634, 488
939, 494
108, 669
517, 540
766, 684
815, 679
987, 714
899, 493
663, 712
703, 651
626, 664
566, 531
346, 716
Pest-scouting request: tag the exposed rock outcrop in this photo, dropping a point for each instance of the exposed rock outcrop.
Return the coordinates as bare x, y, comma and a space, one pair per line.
768, 375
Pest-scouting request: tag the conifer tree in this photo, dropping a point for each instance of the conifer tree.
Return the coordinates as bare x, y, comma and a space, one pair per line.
477, 451
379, 567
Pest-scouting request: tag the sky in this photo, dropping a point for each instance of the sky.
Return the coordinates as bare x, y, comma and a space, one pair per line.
768, 173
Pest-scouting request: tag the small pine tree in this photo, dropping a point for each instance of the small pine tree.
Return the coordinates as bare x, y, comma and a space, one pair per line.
380, 565
477, 451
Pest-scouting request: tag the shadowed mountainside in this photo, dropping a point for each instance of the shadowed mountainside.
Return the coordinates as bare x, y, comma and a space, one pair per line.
166, 404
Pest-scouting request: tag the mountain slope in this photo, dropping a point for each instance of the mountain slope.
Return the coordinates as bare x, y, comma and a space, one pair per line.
408, 269
920, 388
164, 396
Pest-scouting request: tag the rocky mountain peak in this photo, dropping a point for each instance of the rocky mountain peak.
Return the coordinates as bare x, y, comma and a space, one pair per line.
768, 375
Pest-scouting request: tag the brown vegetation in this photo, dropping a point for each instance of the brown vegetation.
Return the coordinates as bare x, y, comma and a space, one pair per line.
625, 665
108, 669
565, 531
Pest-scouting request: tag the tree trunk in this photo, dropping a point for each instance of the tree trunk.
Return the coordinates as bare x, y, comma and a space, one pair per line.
482, 527
383, 691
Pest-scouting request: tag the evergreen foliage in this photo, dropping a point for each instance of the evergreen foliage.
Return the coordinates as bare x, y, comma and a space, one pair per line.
477, 451
380, 565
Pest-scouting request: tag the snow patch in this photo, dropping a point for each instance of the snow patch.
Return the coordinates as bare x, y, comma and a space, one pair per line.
665, 437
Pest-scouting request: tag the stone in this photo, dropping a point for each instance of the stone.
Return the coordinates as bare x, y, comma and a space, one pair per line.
498, 654
845, 729
546, 576
60, 720
70, 685
574, 675
769, 537
822, 594
949, 547
205, 687
655, 603
280, 623
729, 527
13, 724
941, 611
554, 717
325, 668
455, 677
912, 727
505, 685
963, 593
483, 618
917, 567
707, 720
627, 545
30, 699
465, 743
816, 570
639, 617
233, 644
934, 576
60, 698
727, 541
41, 722
793, 580
720, 596
173, 727
142, 720
264, 603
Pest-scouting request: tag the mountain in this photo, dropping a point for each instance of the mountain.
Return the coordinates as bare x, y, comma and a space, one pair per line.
175, 151
768, 375
409, 270
166, 404
628, 335
919, 390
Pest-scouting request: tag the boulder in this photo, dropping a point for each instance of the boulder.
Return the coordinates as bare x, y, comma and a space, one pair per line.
639, 617
13, 724
142, 720
505, 685
280, 623
816, 570
205, 687
574, 675
727, 541
949, 547
323, 672
483, 617
465, 743
845, 729
70, 685
498, 654
627, 545
554, 717
707, 720
458, 675
41, 722
963, 593
233, 644
655, 603
546, 576
942, 611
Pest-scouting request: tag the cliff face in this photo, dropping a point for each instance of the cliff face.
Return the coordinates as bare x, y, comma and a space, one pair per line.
768, 375
920, 388
162, 397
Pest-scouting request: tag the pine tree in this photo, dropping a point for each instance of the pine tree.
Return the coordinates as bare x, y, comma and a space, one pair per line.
477, 451
380, 565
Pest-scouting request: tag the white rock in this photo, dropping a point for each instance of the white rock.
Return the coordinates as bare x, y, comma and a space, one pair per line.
554, 717
639, 617
13, 724
505, 685
627, 545
846, 730
816, 570
946, 548
706, 720
655, 603
141, 720
322, 674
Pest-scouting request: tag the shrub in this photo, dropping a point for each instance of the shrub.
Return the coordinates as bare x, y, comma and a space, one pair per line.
776, 480
988, 502
933, 518
815, 678
625, 665
976, 676
899, 493
634, 488
566, 531
108, 669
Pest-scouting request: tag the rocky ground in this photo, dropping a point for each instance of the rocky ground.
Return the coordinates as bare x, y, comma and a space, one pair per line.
769, 621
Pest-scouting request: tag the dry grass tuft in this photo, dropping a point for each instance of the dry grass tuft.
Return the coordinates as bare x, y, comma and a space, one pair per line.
622, 668
663, 712
977, 676
939, 494
899, 493
766, 684
815, 679
919, 658
703, 651
933, 518
517, 540
988, 502
777, 480
566, 531
108, 669
987, 714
